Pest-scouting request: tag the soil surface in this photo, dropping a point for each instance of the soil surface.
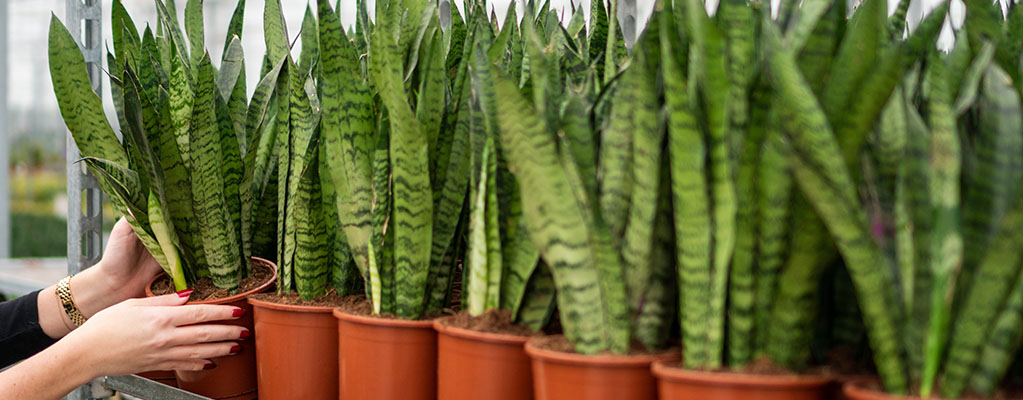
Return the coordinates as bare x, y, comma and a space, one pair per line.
359, 305
329, 299
493, 321
205, 290
559, 343
765, 366
848, 360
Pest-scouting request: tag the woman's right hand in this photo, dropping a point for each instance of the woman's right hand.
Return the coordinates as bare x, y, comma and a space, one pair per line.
157, 334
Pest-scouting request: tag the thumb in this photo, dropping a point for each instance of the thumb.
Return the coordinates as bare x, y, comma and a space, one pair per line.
173, 299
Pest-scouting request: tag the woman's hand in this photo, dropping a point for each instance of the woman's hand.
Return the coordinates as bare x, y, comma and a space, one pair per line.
157, 334
126, 266
122, 274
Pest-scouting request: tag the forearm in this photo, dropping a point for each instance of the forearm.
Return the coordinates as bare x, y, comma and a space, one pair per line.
91, 293
50, 374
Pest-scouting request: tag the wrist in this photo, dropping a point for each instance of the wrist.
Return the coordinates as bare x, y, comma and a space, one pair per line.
92, 293
80, 357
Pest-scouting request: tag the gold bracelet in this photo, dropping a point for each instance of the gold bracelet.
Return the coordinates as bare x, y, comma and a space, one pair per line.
68, 301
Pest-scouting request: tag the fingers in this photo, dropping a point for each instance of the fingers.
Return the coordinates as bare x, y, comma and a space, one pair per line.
187, 335
173, 299
199, 313
185, 365
202, 351
121, 228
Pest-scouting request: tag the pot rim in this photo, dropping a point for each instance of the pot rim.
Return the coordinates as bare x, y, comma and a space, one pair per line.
234, 297
666, 372
384, 322
470, 334
288, 307
596, 360
856, 388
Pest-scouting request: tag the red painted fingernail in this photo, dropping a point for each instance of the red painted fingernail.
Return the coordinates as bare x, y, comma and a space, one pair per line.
245, 334
209, 365
238, 312
185, 293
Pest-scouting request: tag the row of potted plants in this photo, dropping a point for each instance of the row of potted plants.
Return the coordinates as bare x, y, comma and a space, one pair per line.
535, 176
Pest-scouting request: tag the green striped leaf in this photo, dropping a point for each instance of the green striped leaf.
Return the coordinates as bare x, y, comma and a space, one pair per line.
946, 241
556, 227
687, 154
219, 238
310, 54
824, 179
994, 279
992, 168
857, 55
638, 238
194, 29
79, 105
347, 134
477, 261
538, 303
413, 199
275, 31
234, 28
169, 17
1002, 344
312, 252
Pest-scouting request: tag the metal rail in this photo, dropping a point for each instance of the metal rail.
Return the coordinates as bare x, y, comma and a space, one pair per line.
85, 241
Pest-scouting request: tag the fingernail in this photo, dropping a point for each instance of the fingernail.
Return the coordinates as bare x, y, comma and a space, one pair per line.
238, 312
245, 334
185, 293
236, 348
209, 365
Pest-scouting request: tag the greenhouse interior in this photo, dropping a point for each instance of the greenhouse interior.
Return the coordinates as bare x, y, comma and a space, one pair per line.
511, 199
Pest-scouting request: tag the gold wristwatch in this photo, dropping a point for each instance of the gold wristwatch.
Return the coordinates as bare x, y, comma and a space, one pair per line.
68, 302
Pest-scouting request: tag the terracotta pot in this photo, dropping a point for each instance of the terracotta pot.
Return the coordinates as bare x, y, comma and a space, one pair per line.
296, 351
480, 365
234, 378
869, 390
165, 377
560, 375
843, 379
386, 358
682, 384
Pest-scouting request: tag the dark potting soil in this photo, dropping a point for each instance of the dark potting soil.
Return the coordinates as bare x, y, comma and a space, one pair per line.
492, 321
205, 290
764, 365
559, 343
359, 305
329, 299
849, 361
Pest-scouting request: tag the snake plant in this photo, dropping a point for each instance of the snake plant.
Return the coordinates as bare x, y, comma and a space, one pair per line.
178, 175
395, 138
585, 156
942, 299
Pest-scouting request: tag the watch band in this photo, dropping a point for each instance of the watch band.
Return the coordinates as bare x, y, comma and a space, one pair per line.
68, 302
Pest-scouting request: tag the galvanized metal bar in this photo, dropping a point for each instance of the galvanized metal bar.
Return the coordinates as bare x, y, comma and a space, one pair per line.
143, 388
84, 227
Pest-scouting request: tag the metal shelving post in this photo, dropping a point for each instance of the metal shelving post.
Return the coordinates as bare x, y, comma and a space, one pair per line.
85, 207
84, 227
